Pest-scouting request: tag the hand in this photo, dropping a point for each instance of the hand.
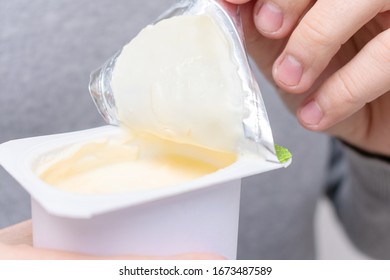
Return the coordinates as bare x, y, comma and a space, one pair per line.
16, 243
330, 60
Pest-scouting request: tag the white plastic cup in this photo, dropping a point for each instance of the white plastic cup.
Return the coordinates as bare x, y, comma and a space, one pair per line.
199, 221
197, 216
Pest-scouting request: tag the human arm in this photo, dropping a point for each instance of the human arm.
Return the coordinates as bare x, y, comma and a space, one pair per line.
359, 189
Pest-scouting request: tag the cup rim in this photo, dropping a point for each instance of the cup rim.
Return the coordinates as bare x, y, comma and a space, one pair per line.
17, 157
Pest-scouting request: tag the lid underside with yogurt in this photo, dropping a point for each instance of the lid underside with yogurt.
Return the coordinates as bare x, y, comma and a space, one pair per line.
178, 80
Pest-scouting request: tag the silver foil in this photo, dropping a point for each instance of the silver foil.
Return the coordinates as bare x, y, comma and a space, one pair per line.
256, 124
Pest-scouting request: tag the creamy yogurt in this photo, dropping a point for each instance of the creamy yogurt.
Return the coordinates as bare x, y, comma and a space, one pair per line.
129, 164
178, 80
178, 93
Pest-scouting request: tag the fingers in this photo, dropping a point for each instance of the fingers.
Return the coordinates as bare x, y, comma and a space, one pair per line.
238, 2
24, 252
17, 234
317, 38
363, 79
197, 256
276, 18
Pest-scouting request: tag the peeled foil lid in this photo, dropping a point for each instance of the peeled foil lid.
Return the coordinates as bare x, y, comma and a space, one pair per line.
256, 125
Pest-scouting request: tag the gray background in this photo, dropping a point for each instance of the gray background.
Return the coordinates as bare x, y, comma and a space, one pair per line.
47, 51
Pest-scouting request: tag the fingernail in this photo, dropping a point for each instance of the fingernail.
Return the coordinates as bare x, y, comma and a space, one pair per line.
290, 71
269, 18
311, 113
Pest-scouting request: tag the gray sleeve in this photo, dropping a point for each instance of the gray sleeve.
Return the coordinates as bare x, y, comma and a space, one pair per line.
362, 200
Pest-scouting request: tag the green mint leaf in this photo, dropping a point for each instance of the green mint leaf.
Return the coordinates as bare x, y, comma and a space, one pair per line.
282, 153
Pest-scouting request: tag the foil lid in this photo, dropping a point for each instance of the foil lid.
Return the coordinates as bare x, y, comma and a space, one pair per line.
256, 125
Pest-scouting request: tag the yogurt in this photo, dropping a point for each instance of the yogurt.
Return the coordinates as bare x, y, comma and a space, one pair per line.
178, 80
178, 94
128, 164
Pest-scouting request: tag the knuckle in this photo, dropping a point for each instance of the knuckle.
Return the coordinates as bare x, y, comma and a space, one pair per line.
383, 42
298, 7
312, 31
386, 6
346, 87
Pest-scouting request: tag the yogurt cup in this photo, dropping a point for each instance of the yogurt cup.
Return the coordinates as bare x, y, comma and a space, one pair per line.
198, 216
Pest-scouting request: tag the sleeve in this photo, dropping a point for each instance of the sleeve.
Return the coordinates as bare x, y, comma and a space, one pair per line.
359, 186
